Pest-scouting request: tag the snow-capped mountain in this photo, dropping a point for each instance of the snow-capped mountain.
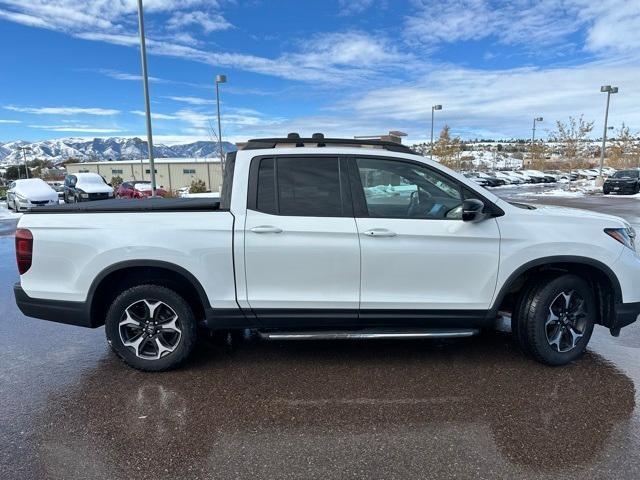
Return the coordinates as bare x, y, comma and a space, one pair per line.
97, 149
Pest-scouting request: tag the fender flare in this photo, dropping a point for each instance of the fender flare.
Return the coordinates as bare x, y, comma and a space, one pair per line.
590, 262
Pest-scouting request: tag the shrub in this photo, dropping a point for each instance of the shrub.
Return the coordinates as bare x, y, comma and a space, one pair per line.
116, 181
198, 186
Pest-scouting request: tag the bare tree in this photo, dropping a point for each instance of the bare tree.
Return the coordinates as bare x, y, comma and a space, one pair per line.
572, 135
624, 151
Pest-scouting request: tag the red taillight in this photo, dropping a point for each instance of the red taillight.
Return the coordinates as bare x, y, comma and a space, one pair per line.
24, 249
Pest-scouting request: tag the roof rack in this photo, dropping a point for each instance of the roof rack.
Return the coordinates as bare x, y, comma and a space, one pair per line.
318, 140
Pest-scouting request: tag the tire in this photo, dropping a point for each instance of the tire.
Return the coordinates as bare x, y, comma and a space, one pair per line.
147, 347
555, 319
606, 191
636, 190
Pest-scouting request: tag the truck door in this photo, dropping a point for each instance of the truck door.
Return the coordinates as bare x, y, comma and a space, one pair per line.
302, 253
417, 253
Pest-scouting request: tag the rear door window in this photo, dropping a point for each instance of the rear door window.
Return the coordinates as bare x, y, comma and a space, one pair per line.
300, 186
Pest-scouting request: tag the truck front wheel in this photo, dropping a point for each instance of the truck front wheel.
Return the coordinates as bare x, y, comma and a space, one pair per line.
555, 319
151, 328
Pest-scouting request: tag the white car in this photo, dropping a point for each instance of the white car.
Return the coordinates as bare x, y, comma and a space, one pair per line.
33, 192
333, 239
85, 187
515, 179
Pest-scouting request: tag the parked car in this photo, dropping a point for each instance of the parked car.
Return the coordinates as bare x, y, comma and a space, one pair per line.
500, 176
33, 192
525, 177
85, 187
476, 178
515, 179
138, 189
301, 245
623, 181
537, 176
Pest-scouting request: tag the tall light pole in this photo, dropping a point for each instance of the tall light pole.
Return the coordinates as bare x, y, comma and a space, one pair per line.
433, 109
24, 157
533, 134
147, 104
220, 79
609, 90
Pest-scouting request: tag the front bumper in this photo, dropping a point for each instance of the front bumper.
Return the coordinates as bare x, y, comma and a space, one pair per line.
70, 313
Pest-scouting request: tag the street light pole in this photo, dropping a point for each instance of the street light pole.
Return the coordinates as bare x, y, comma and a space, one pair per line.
220, 79
433, 109
609, 90
147, 104
533, 134
24, 157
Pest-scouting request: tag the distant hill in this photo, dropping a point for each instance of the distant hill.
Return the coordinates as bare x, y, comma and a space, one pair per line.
111, 148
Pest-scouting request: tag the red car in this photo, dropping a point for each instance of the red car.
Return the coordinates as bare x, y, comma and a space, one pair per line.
138, 190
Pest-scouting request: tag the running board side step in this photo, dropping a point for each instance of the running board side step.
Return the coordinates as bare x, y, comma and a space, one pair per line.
378, 333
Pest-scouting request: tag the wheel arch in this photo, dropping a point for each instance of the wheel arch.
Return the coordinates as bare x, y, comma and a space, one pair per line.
604, 281
118, 277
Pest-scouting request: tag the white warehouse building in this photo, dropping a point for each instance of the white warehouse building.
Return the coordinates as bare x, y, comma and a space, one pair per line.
171, 173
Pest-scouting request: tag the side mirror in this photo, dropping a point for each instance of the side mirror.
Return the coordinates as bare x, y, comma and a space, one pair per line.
473, 210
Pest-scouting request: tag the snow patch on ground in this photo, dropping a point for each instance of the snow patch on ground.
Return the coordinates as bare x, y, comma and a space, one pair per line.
5, 213
579, 188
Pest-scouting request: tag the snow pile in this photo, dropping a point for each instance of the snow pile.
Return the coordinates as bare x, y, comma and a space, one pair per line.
578, 188
6, 214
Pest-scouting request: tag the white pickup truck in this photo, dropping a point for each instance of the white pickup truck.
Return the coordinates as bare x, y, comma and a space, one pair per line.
328, 238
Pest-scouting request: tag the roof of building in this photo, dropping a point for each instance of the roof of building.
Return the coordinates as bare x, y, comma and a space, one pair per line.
156, 160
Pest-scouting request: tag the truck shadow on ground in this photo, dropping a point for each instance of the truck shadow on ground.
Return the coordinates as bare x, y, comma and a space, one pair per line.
338, 409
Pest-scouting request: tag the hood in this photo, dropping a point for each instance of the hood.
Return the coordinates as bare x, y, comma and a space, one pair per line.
577, 213
91, 187
36, 190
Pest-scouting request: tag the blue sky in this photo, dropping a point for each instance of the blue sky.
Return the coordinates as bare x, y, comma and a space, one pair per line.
358, 67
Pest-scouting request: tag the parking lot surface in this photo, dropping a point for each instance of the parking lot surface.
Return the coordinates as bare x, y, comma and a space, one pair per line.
470, 408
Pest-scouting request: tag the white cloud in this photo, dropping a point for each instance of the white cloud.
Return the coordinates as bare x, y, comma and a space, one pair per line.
75, 128
10, 121
209, 22
63, 110
535, 24
192, 100
155, 116
350, 7
505, 101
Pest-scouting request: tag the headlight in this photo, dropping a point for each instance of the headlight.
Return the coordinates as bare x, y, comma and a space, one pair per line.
83, 195
21, 198
111, 194
625, 236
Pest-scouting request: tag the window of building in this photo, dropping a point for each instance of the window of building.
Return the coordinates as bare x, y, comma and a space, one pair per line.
148, 170
117, 171
189, 171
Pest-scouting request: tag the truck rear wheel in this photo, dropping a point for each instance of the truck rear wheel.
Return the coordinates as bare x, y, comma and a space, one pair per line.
555, 319
151, 328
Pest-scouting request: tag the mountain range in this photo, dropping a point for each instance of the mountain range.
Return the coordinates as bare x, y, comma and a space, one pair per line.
99, 149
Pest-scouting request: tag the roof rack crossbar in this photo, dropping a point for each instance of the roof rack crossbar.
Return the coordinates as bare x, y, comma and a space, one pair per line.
266, 143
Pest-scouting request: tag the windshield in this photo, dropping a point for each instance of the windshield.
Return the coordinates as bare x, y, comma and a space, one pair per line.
626, 174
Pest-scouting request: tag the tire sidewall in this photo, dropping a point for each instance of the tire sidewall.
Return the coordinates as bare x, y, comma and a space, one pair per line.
188, 326
537, 330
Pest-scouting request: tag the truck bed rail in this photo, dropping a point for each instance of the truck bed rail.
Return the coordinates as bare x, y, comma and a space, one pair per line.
134, 206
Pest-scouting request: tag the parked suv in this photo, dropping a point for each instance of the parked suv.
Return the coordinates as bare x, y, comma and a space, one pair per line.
623, 181
84, 187
329, 238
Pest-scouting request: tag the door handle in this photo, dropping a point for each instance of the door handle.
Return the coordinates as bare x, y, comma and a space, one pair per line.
266, 229
379, 232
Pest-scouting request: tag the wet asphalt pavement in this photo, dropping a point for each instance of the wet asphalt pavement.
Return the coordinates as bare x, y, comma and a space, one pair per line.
470, 408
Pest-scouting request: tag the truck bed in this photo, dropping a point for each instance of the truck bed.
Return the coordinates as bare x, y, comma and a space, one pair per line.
157, 204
